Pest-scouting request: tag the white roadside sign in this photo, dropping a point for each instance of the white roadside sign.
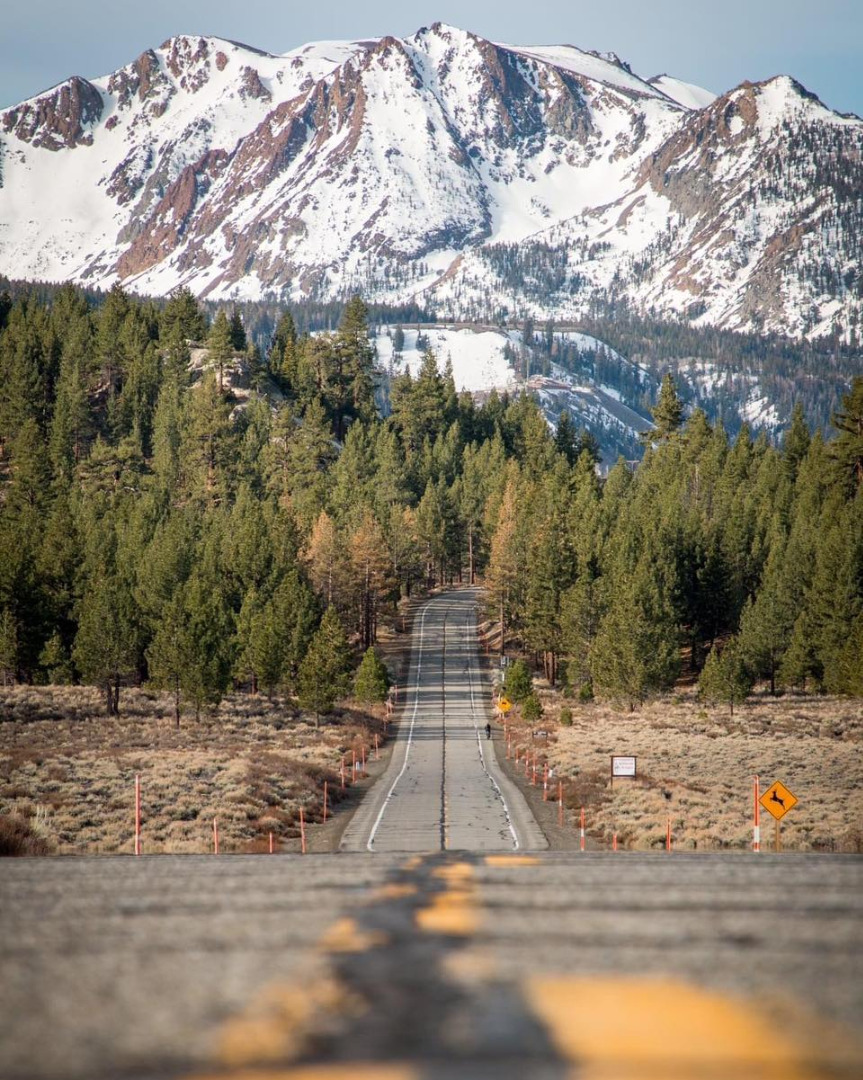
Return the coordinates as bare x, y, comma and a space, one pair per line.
622, 766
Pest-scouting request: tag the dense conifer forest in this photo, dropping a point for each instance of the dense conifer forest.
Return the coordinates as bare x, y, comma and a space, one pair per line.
181, 507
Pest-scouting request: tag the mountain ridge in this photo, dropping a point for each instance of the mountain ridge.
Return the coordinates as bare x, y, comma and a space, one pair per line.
403, 167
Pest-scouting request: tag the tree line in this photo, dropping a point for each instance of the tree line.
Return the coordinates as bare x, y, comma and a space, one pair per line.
181, 507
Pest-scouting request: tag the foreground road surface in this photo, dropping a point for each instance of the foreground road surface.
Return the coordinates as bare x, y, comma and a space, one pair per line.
443, 789
442, 965
441, 945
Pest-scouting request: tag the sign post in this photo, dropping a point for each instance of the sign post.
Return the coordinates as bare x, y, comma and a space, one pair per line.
623, 766
778, 800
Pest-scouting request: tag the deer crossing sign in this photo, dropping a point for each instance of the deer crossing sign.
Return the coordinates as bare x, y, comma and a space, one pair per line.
778, 800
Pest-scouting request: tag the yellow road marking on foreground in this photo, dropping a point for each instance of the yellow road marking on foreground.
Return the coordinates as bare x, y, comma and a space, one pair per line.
359, 1070
344, 936
276, 1024
393, 891
511, 860
453, 911
635, 1029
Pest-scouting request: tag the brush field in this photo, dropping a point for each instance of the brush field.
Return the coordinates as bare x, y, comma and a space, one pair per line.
67, 771
696, 766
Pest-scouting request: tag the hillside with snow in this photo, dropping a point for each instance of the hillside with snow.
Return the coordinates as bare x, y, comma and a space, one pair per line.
482, 181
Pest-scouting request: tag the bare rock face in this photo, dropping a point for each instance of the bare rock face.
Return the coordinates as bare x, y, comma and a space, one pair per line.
60, 118
166, 226
252, 87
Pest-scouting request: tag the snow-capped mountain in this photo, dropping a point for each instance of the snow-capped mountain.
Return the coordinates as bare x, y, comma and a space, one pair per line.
484, 179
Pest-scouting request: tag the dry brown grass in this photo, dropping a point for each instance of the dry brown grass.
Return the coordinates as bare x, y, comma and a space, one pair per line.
696, 765
67, 770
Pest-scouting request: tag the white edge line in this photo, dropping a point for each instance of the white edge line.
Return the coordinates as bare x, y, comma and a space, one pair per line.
379, 818
494, 782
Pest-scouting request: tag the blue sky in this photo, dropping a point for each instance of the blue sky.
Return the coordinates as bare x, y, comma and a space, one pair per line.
716, 44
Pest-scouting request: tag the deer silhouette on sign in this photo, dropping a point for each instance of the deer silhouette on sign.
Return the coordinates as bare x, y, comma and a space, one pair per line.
774, 797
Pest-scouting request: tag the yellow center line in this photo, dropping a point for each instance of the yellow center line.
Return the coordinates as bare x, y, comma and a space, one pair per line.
453, 911
511, 860
344, 936
645, 1029
347, 1070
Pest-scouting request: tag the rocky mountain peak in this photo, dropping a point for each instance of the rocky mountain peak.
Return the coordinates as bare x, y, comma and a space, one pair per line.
60, 118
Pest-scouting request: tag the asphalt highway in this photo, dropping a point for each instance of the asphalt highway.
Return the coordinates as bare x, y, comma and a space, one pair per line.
443, 789
442, 946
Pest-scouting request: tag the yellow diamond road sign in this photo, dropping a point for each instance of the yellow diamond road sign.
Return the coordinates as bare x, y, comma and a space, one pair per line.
778, 800
504, 704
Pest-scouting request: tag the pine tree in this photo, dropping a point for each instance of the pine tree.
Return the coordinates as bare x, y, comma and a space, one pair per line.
283, 357
725, 676
504, 564
207, 450
171, 653
8, 646
847, 449
56, 661
220, 345
323, 673
371, 681
71, 426
667, 413
238, 333
518, 682
767, 623
106, 643
326, 559
566, 439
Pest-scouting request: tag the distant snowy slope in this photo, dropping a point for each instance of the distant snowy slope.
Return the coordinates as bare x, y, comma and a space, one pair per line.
686, 94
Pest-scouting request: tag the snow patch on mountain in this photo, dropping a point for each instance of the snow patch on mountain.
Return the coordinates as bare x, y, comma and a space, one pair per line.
477, 356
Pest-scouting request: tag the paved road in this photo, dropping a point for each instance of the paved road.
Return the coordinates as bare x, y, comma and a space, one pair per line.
443, 789
448, 950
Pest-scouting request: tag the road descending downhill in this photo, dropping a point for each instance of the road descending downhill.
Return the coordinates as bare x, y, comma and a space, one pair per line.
443, 945
444, 790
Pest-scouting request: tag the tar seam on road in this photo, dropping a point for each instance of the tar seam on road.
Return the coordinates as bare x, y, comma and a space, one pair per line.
494, 783
379, 818
443, 838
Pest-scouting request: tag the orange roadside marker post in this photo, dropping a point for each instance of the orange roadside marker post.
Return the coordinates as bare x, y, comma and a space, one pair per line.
756, 828
581, 837
560, 803
215, 836
668, 834
363, 763
137, 814
302, 831
545, 783
614, 842
325, 801
271, 843
343, 772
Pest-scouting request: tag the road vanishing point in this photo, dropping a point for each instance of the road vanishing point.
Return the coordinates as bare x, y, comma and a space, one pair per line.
443, 940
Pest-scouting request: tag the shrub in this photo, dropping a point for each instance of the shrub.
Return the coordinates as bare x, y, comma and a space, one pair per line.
566, 716
17, 837
585, 692
531, 708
